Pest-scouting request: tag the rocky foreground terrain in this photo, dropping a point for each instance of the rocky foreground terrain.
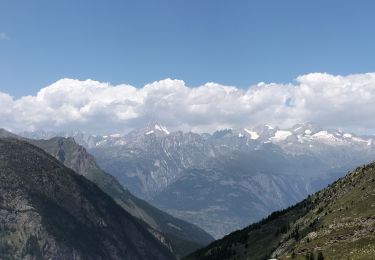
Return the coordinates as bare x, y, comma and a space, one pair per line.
49, 211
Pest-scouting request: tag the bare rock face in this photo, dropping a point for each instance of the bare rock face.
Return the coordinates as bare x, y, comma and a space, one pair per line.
48, 211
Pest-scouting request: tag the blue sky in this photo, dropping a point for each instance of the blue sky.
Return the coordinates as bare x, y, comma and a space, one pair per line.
235, 43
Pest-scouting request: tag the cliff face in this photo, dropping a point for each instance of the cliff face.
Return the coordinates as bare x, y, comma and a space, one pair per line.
49, 211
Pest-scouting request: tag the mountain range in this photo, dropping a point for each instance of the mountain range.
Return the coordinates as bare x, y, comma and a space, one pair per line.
204, 178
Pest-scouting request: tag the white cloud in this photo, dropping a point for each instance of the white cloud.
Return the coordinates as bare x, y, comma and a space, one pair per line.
346, 102
4, 36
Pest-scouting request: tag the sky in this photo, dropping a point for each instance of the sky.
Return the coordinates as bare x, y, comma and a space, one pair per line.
141, 44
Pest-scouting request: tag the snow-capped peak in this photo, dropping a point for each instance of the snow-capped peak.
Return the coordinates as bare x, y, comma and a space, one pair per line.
253, 135
281, 135
116, 135
161, 128
325, 135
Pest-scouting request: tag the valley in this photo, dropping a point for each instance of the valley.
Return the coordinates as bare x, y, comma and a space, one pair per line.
206, 178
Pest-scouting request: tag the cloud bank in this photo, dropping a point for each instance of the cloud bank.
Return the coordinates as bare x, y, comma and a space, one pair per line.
346, 102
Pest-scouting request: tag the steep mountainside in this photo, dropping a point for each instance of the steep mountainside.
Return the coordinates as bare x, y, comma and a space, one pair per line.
6, 134
49, 211
199, 177
337, 222
182, 237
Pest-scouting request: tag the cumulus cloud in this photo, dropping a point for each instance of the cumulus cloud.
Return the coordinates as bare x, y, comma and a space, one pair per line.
346, 102
4, 36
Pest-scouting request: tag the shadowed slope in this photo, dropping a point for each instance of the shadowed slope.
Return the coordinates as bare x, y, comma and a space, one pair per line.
180, 236
49, 211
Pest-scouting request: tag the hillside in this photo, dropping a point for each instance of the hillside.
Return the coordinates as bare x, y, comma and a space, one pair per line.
47, 211
337, 222
180, 236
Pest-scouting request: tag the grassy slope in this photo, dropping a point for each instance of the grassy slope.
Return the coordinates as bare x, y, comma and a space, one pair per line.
338, 222
344, 218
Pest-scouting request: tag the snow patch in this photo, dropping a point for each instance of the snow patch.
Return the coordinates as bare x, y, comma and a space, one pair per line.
157, 163
300, 139
253, 135
327, 138
323, 134
360, 140
281, 135
162, 129
174, 226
